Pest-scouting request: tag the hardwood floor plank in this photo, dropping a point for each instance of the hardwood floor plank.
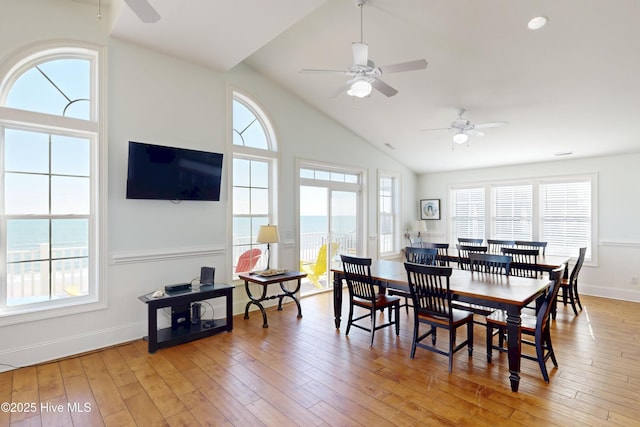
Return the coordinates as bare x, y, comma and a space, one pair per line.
305, 372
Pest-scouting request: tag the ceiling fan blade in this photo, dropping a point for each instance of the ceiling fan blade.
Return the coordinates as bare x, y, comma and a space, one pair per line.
383, 87
490, 125
475, 132
429, 130
360, 53
419, 64
317, 71
144, 10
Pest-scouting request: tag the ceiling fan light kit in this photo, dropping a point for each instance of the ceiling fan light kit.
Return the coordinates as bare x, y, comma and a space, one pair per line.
360, 89
460, 138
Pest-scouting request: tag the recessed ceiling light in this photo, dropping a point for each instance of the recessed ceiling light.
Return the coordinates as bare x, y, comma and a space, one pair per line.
537, 22
563, 153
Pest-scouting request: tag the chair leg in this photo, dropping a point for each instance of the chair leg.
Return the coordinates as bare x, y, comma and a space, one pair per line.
573, 301
470, 338
398, 319
350, 319
433, 335
577, 296
452, 344
489, 343
541, 361
416, 329
373, 325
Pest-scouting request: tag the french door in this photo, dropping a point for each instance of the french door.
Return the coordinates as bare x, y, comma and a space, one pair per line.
330, 224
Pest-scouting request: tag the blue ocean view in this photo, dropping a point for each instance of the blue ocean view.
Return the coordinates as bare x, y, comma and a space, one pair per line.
29, 234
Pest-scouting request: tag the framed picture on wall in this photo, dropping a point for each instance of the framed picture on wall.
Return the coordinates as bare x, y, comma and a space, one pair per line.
430, 209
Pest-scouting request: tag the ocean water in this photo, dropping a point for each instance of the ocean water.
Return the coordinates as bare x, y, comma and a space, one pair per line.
29, 234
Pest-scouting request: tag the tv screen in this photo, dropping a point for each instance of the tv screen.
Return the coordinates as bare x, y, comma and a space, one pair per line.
170, 173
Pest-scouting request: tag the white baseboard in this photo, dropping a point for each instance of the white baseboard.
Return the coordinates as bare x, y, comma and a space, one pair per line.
612, 293
68, 346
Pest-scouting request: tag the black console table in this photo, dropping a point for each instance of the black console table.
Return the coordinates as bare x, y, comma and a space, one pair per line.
281, 279
182, 329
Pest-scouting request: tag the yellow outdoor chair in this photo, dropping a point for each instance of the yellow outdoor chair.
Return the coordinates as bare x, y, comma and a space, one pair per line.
318, 268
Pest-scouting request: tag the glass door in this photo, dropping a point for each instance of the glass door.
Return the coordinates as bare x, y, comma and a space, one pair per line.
329, 226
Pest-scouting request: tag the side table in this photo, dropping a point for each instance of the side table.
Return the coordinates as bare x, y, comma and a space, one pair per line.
265, 282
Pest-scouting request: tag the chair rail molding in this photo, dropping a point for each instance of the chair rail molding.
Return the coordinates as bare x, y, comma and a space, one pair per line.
166, 254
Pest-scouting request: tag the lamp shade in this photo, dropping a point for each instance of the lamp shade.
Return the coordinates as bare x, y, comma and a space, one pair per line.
460, 138
360, 88
420, 227
268, 234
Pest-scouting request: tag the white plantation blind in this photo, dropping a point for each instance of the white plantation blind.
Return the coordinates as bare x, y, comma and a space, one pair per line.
468, 212
513, 212
565, 216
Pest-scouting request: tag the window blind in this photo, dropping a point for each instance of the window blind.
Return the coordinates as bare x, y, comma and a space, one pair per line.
512, 212
468, 212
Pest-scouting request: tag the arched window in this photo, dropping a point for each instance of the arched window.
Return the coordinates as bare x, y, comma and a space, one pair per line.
254, 165
49, 133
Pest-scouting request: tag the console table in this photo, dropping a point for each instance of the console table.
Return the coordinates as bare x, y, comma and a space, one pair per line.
182, 330
265, 282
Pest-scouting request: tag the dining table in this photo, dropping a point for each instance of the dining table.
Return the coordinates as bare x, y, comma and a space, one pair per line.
509, 293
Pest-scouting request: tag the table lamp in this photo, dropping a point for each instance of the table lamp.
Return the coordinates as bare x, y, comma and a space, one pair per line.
268, 234
419, 227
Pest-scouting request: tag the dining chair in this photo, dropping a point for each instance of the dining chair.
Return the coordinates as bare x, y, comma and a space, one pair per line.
470, 241
537, 326
569, 286
363, 294
429, 286
532, 245
489, 264
495, 246
524, 262
425, 256
443, 252
464, 251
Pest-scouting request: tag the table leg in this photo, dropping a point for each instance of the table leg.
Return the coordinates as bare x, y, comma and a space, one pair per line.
514, 345
291, 294
337, 298
153, 329
230, 310
256, 301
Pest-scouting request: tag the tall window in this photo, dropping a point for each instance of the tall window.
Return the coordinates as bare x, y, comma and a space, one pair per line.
254, 162
389, 214
49, 204
468, 212
512, 212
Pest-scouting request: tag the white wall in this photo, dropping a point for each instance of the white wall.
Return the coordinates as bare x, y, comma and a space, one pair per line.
617, 212
158, 99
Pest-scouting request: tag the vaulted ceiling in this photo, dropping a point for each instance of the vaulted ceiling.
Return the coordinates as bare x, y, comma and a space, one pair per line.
571, 87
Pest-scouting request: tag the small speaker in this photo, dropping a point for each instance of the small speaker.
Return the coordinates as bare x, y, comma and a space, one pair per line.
195, 313
206, 275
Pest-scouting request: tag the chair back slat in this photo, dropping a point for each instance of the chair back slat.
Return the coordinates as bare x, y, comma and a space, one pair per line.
426, 256
464, 251
524, 262
525, 244
443, 252
495, 246
357, 273
490, 263
470, 241
429, 286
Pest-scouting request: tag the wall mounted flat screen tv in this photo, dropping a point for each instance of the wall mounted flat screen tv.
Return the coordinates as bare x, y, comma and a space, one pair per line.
170, 173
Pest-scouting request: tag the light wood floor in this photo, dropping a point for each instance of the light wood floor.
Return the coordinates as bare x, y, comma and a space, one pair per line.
305, 372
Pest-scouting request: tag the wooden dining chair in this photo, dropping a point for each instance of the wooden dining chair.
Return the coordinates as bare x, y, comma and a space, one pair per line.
429, 286
442, 258
489, 263
424, 256
495, 246
363, 294
537, 326
541, 246
464, 251
470, 241
569, 286
524, 262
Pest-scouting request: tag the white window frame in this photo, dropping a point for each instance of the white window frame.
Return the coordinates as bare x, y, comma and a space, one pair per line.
592, 252
395, 214
268, 155
94, 130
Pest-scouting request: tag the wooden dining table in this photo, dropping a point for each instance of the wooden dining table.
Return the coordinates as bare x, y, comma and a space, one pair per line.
509, 293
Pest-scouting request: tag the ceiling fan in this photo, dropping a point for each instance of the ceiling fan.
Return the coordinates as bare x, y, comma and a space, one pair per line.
463, 128
144, 10
364, 73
